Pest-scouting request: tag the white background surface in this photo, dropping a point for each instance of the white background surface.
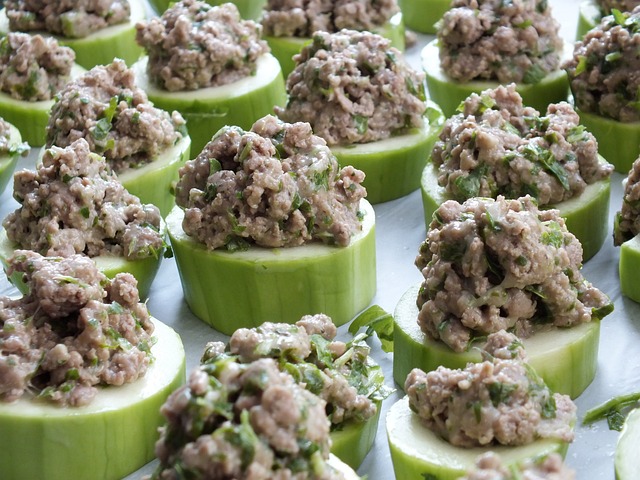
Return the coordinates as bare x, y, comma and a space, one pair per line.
400, 230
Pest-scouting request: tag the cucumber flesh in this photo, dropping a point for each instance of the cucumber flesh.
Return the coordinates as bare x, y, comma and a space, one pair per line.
107, 439
417, 452
347, 472
353, 440
626, 460
249, 9
565, 358
421, 15
279, 284
629, 266
589, 16
8, 161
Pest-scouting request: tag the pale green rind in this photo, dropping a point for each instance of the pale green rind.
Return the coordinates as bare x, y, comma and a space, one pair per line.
249, 9
417, 452
8, 161
626, 460
565, 358
354, 440
207, 110
449, 94
586, 216
347, 472
230, 290
629, 266
421, 15
589, 15
105, 440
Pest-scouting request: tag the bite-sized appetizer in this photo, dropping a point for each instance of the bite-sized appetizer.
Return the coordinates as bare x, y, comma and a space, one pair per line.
450, 416
604, 82
11, 147
592, 11
290, 24
483, 43
360, 95
84, 365
144, 145
423, 15
210, 65
489, 466
97, 30
249, 9
497, 146
268, 226
500, 264
74, 204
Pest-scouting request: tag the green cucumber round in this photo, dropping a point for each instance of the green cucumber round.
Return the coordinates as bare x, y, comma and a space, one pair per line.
565, 358
629, 266
586, 216
353, 440
230, 290
207, 110
589, 15
417, 453
284, 48
422, 15
626, 460
449, 94
249, 9
107, 439
8, 161
347, 472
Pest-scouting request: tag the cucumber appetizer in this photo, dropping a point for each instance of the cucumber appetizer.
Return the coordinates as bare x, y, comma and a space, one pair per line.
422, 15
11, 148
249, 9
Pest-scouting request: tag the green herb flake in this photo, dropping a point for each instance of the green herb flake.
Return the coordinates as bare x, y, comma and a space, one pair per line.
581, 66
377, 321
500, 392
362, 123
84, 211
534, 74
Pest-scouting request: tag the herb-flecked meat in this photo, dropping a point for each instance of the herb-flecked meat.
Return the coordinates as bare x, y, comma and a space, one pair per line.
6, 146
623, 5
627, 224
489, 466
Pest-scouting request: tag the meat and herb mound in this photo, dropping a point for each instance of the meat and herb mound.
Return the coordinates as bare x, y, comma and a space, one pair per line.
497, 146
73, 203
353, 87
607, 6
497, 401
500, 264
106, 108
302, 18
515, 41
603, 72
277, 185
69, 18
194, 45
627, 223
76, 330
489, 466
32, 67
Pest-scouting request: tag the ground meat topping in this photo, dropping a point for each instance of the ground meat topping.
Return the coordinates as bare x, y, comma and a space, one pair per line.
627, 223
500, 264
6, 146
73, 203
107, 109
496, 146
603, 72
194, 45
492, 402
302, 18
489, 467
74, 331
277, 185
70, 18
353, 87
32, 67
623, 5
515, 41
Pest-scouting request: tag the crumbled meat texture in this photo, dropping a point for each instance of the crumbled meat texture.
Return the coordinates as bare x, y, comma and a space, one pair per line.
623, 5
302, 18
353, 87
194, 45
516, 41
496, 146
7, 147
74, 331
106, 108
603, 73
627, 224
489, 466
277, 185
500, 264
73, 203
243, 421
32, 67
69, 18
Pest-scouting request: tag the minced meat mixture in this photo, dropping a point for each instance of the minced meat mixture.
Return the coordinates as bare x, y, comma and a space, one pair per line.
73, 203
32, 67
623, 5
353, 87
74, 331
106, 108
194, 45
490, 467
6, 146
277, 185
508, 41
243, 421
69, 18
603, 72
497, 401
496, 146
500, 264
302, 18
627, 224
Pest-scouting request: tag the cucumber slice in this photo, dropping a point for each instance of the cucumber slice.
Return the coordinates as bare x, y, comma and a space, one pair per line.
207, 110
418, 453
353, 440
449, 94
421, 15
107, 439
565, 358
626, 460
589, 15
249, 9
284, 48
346, 471
230, 290
586, 216
8, 162
629, 266
100, 47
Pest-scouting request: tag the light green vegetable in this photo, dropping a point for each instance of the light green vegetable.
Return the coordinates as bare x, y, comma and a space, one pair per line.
629, 266
352, 441
8, 161
612, 410
589, 16
249, 9
421, 15
626, 460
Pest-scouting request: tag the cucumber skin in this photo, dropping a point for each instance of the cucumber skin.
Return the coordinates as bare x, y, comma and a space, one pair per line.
8, 162
249, 9
31, 118
228, 292
354, 440
589, 16
627, 447
421, 15
629, 266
